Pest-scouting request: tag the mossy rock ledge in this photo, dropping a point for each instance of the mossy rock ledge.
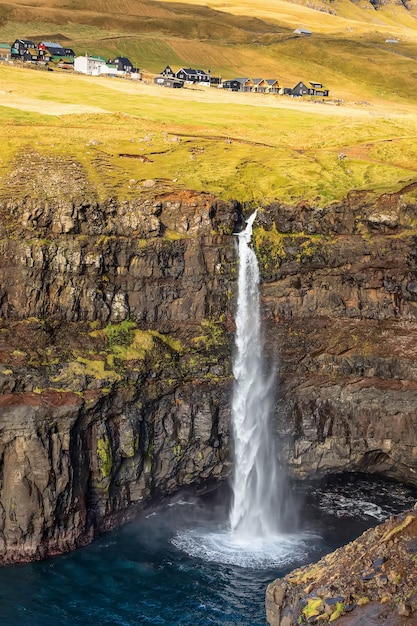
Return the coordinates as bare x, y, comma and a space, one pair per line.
372, 580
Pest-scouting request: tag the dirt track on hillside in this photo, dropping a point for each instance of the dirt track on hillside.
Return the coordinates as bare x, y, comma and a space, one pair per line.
45, 107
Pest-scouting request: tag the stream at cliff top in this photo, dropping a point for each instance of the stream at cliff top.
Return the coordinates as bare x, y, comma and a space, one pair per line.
140, 574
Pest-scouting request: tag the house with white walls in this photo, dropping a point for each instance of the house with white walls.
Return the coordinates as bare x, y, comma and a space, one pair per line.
89, 64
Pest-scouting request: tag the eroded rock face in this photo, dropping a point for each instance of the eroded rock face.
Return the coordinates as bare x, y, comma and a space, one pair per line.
340, 306
116, 342
114, 361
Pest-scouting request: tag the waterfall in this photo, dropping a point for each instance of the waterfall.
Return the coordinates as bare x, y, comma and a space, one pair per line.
256, 532
255, 510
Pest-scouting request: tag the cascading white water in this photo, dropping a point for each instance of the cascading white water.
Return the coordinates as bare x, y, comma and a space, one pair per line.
256, 487
255, 536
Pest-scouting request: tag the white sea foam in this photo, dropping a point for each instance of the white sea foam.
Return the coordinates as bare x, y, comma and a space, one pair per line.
231, 549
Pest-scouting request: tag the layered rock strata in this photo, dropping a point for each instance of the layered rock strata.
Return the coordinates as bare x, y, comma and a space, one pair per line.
340, 305
116, 341
115, 361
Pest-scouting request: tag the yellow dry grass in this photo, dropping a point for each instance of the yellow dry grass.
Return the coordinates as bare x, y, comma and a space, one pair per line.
245, 146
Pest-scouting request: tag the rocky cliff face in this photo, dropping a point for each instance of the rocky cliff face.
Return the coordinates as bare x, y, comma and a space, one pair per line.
115, 361
115, 349
340, 300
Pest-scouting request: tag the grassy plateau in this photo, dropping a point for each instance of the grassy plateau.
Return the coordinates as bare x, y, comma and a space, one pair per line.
251, 147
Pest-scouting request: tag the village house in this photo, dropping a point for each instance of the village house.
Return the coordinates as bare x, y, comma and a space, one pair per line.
300, 89
122, 64
192, 77
238, 84
272, 86
168, 81
259, 85
89, 64
168, 71
317, 89
56, 50
24, 50
233, 85
309, 89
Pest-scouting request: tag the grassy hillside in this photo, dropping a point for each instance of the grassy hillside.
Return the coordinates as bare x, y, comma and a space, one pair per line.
250, 147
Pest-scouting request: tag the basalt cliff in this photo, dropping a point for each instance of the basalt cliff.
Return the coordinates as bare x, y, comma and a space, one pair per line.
116, 340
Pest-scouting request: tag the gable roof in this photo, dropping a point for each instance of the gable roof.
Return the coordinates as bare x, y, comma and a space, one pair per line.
123, 60
51, 44
188, 70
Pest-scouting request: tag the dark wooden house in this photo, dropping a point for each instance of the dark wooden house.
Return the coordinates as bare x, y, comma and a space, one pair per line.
192, 76
20, 47
301, 89
168, 72
122, 64
239, 84
317, 89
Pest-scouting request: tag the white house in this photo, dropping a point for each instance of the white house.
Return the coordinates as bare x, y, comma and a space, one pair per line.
87, 64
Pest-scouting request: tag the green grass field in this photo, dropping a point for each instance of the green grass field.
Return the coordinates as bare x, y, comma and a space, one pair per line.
249, 147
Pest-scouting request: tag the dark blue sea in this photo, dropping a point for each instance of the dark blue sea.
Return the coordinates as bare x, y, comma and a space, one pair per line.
174, 566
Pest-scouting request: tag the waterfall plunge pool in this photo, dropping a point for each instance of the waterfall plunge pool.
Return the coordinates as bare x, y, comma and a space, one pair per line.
177, 564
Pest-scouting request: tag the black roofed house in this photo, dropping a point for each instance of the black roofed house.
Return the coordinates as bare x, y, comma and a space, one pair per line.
123, 65
20, 46
69, 53
238, 84
168, 81
204, 78
317, 89
234, 84
192, 76
55, 49
302, 31
301, 90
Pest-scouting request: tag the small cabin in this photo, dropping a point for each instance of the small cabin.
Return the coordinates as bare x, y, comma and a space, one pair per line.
317, 89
